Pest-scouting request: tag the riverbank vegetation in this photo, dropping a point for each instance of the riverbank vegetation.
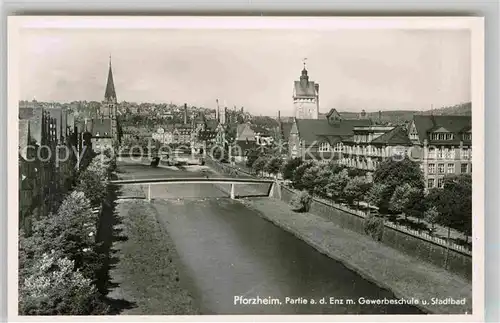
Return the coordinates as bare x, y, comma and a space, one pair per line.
395, 192
147, 272
59, 260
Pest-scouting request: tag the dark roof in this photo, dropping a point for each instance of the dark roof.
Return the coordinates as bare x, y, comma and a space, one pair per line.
454, 124
286, 127
397, 136
26, 113
211, 124
305, 88
311, 130
110, 94
246, 145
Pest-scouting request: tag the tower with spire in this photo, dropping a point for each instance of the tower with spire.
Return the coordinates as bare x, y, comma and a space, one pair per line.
109, 104
305, 97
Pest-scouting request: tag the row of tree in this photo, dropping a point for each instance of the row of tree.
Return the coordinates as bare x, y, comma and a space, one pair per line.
396, 187
60, 259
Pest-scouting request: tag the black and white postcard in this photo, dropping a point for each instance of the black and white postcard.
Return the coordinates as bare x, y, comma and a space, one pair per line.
247, 167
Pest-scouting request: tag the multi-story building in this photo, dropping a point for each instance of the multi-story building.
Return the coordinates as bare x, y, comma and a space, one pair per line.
306, 97
443, 144
369, 145
46, 159
318, 139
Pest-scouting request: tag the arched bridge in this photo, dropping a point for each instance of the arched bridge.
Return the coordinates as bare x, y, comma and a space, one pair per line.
199, 180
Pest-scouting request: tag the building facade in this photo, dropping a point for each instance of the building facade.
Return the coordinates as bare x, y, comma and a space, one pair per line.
305, 97
443, 144
369, 145
47, 159
318, 138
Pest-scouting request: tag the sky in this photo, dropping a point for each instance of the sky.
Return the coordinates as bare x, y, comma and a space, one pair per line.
255, 69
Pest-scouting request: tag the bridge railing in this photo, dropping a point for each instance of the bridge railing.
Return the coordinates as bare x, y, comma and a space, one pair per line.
201, 180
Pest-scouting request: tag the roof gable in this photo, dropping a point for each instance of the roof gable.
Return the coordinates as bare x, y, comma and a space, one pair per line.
397, 136
245, 132
333, 112
454, 124
439, 129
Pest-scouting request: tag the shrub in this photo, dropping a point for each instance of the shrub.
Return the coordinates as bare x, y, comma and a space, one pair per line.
336, 184
259, 164
273, 165
299, 173
301, 202
92, 185
374, 227
252, 156
52, 287
290, 166
356, 189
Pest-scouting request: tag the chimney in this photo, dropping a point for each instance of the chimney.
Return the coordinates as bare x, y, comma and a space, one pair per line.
316, 86
217, 116
380, 117
279, 115
185, 113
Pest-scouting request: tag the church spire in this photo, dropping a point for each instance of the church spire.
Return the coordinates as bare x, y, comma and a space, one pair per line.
110, 94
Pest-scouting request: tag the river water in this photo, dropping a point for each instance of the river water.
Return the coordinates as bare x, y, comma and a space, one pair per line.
232, 258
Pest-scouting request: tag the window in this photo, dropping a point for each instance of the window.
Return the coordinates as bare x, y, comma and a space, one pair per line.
450, 169
324, 147
466, 153
448, 153
449, 136
467, 136
430, 183
432, 153
432, 168
439, 153
97, 134
440, 182
463, 168
441, 168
